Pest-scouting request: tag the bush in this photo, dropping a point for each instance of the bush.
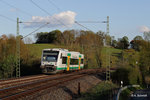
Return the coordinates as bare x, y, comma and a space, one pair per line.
128, 75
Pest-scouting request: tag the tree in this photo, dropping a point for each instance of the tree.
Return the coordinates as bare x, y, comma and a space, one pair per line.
123, 43
145, 57
7, 58
114, 43
58, 37
138, 38
54, 36
68, 37
42, 37
136, 43
91, 46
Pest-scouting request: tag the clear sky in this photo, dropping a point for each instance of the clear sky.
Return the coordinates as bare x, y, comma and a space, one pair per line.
127, 17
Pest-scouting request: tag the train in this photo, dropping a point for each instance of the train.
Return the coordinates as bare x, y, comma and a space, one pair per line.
55, 60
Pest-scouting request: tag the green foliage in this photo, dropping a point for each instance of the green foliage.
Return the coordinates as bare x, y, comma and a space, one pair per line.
127, 75
7, 58
137, 44
138, 38
101, 91
114, 43
144, 61
8, 66
49, 37
129, 71
135, 76
123, 43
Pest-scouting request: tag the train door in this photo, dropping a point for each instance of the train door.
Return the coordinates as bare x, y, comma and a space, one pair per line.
68, 61
79, 61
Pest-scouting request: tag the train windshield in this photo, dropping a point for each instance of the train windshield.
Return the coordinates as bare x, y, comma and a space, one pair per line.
50, 56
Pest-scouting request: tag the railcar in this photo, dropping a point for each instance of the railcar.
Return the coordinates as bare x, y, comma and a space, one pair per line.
56, 60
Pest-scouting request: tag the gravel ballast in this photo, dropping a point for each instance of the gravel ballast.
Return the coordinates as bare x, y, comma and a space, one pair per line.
67, 91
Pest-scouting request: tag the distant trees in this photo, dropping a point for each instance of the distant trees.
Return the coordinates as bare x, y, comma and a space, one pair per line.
49, 37
123, 43
68, 37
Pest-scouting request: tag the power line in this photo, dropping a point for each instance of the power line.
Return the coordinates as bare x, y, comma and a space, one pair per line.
54, 5
39, 7
82, 25
36, 30
10, 19
92, 21
47, 12
33, 22
15, 7
55, 18
77, 22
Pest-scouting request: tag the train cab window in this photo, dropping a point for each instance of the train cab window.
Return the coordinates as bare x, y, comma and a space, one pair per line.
82, 60
64, 60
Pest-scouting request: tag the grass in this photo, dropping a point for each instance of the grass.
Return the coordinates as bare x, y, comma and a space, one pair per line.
36, 49
112, 54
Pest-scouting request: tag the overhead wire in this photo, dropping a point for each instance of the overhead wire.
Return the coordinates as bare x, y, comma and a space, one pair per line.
54, 5
6, 3
92, 21
82, 26
8, 18
46, 12
36, 30
76, 22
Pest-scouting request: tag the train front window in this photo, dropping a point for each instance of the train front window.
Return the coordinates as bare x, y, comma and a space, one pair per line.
50, 56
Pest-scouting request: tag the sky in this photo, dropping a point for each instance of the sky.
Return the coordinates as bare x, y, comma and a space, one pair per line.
127, 17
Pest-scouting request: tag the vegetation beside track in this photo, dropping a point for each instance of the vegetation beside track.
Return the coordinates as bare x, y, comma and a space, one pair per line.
101, 91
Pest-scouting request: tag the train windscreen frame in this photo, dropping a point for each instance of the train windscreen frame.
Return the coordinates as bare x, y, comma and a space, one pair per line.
50, 56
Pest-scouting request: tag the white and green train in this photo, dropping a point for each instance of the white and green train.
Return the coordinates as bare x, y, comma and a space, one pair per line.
57, 59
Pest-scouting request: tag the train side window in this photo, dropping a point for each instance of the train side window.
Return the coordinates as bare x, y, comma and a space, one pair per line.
82, 60
64, 60
74, 62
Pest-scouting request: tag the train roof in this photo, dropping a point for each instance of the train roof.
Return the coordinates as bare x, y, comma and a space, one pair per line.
56, 49
61, 49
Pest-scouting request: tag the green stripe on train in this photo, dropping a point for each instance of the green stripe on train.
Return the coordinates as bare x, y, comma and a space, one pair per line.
65, 68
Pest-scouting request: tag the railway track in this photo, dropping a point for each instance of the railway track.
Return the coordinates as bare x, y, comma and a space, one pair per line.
40, 83
21, 80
